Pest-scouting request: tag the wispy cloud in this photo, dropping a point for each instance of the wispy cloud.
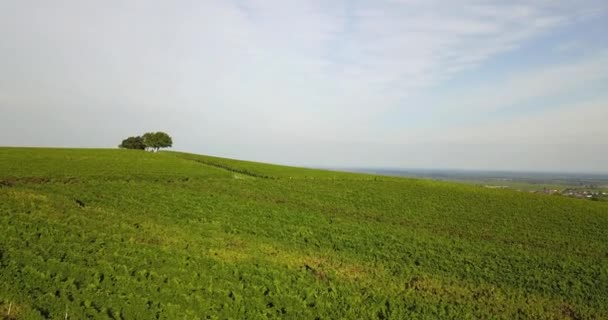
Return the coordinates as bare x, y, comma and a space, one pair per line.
579, 123
366, 58
523, 86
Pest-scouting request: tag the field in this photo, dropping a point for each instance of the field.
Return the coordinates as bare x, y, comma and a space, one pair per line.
119, 234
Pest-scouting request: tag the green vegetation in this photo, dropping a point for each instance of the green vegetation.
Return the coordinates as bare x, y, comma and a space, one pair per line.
136, 143
124, 234
150, 140
157, 140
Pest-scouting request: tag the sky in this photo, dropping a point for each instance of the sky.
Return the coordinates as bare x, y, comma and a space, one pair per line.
468, 84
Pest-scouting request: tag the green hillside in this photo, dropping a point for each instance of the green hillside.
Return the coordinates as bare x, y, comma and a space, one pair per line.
120, 234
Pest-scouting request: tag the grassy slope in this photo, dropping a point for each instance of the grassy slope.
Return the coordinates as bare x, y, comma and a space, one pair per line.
128, 234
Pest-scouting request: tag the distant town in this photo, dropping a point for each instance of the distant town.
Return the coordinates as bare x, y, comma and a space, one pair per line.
591, 193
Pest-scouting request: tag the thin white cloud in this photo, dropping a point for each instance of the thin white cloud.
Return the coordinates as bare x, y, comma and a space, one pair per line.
493, 113
523, 86
414, 40
579, 123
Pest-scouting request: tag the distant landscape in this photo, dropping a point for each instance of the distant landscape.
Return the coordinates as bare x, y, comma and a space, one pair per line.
592, 186
130, 234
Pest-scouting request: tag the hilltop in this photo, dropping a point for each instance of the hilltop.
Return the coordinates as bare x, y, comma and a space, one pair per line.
125, 234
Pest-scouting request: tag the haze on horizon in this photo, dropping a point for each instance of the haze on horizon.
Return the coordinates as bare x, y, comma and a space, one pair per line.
465, 84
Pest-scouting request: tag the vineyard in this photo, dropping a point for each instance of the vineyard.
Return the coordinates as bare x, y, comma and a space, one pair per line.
129, 234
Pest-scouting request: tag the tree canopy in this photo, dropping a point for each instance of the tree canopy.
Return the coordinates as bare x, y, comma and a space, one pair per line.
157, 140
150, 140
133, 143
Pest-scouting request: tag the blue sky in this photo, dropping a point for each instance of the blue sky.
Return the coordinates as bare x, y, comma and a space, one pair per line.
518, 85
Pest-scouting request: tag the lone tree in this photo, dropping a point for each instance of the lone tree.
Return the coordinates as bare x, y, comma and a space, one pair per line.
133, 143
157, 140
